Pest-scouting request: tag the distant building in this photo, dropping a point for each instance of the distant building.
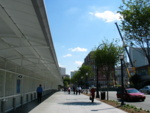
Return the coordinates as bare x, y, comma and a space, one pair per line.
141, 67
64, 76
102, 79
137, 56
62, 71
118, 76
140, 61
72, 73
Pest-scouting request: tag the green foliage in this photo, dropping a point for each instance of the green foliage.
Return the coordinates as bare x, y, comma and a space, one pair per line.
136, 23
83, 72
107, 54
127, 107
66, 81
106, 57
135, 18
148, 111
76, 77
134, 80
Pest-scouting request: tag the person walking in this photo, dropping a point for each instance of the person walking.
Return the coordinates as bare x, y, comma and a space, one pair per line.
92, 91
69, 90
79, 89
74, 89
39, 91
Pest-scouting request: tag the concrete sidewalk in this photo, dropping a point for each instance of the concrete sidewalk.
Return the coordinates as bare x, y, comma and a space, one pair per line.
62, 102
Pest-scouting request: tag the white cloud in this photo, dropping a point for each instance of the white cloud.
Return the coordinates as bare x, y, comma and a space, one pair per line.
78, 63
107, 16
67, 55
78, 49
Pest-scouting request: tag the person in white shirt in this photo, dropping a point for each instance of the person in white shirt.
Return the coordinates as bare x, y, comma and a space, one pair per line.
79, 89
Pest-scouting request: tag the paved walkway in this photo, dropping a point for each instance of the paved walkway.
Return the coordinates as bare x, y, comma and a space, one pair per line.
61, 102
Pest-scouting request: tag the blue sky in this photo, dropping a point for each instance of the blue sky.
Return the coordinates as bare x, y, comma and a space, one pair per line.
78, 26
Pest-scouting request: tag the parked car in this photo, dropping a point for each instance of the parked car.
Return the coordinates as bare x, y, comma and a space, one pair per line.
145, 89
131, 94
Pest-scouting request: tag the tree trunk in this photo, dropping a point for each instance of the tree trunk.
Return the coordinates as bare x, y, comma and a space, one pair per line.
107, 84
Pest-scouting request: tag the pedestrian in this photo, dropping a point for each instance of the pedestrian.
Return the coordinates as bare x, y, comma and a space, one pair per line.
92, 91
79, 89
74, 89
69, 90
39, 91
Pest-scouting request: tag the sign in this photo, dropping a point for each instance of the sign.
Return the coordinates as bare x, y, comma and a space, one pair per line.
18, 86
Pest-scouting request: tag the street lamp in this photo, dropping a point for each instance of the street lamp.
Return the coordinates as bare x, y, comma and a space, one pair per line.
86, 83
148, 48
122, 84
97, 89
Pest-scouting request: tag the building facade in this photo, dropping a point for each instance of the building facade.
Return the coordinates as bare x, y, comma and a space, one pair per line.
137, 56
72, 73
140, 61
62, 71
102, 78
27, 54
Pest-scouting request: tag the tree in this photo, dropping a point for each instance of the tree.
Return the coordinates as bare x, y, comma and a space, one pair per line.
86, 72
76, 77
66, 81
135, 24
65, 84
106, 57
81, 74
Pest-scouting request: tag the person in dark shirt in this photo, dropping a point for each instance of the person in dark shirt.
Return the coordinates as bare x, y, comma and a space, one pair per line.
74, 89
92, 91
39, 91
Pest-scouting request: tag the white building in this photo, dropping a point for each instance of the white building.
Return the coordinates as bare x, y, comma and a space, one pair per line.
62, 71
27, 54
72, 73
137, 56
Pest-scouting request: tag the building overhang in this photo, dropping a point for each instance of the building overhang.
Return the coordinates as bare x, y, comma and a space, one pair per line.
25, 39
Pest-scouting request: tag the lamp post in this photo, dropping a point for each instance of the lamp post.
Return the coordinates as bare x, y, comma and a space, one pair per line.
86, 83
148, 52
97, 89
122, 84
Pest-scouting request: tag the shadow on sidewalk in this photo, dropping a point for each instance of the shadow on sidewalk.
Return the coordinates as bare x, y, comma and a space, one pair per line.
29, 106
80, 103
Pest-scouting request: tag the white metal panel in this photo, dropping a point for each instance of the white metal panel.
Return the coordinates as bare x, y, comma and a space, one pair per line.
25, 38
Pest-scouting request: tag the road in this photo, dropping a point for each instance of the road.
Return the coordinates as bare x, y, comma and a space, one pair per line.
144, 105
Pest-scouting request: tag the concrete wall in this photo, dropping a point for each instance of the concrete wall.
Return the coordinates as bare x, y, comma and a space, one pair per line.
17, 89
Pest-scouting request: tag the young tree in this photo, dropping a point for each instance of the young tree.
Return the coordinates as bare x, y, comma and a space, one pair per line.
76, 77
83, 72
66, 81
136, 24
106, 56
86, 71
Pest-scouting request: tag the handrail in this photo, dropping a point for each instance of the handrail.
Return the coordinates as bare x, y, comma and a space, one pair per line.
20, 94
10, 96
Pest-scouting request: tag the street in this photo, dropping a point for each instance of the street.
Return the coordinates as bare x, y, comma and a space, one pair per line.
144, 105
